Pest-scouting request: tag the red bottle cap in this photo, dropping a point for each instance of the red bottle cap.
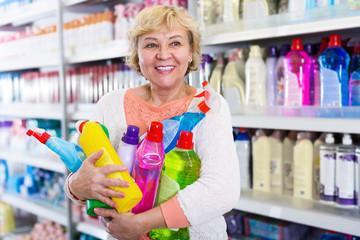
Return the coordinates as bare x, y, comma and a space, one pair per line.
80, 125
41, 137
204, 83
155, 133
185, 140
335, 40
204, 108
297, 44
324, 43
242, 129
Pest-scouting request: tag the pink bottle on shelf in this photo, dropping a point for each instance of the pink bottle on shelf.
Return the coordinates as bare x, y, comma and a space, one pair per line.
146, 172
297, 76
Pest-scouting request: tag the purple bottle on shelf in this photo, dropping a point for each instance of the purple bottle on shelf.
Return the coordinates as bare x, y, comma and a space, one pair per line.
297, 76
271, 84
310, 50
146, 172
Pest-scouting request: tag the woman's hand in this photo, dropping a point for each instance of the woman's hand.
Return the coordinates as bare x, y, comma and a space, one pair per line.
90, 182
124, 226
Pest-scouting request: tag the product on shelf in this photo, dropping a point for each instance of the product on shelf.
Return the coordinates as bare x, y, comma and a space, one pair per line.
242, 142
271, 83
233, 87
288, 163
215, 79
147, 167
261, 151
297, 76
354, 81
93, 138
317, 83
276, 162
327, 169
303, 166
280, 95
255, 78
181, 168
334, 65
258, 8
316, 158
345, 172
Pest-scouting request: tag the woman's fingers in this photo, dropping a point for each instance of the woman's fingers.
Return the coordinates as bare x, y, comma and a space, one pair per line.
94, 157
112, 182
112, 168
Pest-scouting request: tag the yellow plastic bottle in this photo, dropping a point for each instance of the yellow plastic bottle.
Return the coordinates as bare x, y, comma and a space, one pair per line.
276, 162
92, 139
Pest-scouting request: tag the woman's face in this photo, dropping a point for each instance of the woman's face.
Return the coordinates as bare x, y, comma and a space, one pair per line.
164, 56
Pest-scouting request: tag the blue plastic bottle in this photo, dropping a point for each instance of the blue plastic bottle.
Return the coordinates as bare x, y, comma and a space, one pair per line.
355, 78
271, 84
185, 122
334, 74
310, 50
70, 154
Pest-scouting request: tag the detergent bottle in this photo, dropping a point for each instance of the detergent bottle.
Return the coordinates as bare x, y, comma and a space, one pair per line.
93, 138
181, 168
212, 99
297, 76
323, 46
255, 75
148, 164
334, 74
127, 147
233, 87
285, 48
184, 122
215, 78
271, 83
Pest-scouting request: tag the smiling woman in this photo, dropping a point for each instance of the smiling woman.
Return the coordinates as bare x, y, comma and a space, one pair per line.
164, 48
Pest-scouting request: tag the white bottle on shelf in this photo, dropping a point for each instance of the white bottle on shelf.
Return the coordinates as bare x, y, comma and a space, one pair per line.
327, 169
276, 162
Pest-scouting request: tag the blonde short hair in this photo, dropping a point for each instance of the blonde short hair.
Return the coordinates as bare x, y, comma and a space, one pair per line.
153, 18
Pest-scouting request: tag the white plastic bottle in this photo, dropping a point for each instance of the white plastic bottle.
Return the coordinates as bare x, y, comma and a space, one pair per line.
276, 162
345, 172
288, 162
242, 143
127, 146
303, 166
357, 177
327, 169
233, 87
258, 8
255, 75
261, 152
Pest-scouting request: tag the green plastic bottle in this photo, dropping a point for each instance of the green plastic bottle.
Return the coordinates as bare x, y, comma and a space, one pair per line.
181, 168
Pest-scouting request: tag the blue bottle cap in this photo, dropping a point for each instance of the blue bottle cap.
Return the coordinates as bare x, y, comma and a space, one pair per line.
131, 136
272, 51
309, 49
285, 48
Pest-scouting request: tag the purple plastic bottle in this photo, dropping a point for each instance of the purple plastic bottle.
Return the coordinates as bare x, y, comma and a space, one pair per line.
297, 76
310, 51
285, 48
271, 84
147, 167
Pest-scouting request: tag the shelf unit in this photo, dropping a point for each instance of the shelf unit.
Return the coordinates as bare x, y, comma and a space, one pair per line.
232, 35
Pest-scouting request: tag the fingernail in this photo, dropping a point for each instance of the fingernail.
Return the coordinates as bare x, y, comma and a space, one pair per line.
127, 184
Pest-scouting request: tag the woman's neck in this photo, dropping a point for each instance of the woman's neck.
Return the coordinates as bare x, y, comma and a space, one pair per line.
158, 97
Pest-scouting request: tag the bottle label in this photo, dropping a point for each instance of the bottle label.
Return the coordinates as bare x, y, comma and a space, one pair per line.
355, 89
327, 172
280, 86
330, 88
345, 177
293, 93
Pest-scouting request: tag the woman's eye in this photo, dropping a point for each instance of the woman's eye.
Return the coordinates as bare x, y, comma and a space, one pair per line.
151, 45
175, 43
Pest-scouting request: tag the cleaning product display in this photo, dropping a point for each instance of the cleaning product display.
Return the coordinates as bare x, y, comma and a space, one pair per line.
181, 168
94, 138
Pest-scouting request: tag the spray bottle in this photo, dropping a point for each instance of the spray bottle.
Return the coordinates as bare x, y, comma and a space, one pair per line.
93, 138
181, 168
147, 167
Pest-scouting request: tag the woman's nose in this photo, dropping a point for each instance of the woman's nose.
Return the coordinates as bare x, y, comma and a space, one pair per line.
164, 53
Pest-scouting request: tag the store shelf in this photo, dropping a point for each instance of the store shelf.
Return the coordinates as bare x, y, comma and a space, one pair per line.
92, 229
53, 164
27, 63
334, 125
114, 49
42, 210
313, 213
34, 110
283, 25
